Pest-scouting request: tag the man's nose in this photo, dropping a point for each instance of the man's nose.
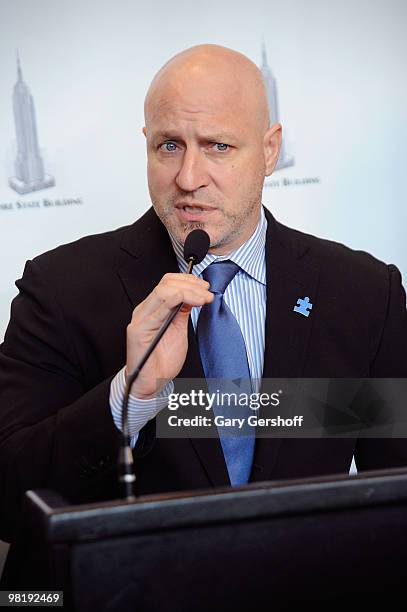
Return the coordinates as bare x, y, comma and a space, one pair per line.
193, 173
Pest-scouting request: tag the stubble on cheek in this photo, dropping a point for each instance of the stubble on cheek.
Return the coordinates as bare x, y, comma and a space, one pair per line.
224, 229
229, 222
167, 213
175, 226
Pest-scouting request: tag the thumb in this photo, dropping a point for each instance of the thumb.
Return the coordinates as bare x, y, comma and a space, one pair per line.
186, 309
181, 320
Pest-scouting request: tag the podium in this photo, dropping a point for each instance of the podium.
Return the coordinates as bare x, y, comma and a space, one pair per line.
335, 543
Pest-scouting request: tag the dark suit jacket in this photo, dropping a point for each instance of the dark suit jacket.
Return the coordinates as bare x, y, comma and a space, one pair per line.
66, 341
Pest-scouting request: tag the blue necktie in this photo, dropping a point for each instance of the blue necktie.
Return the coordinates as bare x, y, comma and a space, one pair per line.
223, 355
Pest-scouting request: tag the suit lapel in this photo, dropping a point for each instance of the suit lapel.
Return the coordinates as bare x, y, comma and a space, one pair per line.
151, 256
291, 274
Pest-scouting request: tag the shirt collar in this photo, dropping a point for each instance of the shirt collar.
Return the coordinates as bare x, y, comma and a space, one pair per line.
250, 256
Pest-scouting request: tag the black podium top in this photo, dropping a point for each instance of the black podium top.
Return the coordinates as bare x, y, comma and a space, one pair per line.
61, 522
339, 542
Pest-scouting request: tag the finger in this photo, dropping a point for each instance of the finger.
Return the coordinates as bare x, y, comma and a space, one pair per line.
189, 297
171, 293
183, 278
147, 319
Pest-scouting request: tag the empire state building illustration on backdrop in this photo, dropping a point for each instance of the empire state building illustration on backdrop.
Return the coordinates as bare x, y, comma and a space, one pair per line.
28, 166
285, 160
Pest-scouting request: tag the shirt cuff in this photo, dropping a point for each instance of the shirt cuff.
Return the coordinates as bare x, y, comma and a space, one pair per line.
139, 411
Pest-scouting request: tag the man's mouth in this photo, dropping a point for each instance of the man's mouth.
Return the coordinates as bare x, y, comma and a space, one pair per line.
192, 212
193, 208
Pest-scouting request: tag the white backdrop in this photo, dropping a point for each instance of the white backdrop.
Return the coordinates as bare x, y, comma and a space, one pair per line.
340, 73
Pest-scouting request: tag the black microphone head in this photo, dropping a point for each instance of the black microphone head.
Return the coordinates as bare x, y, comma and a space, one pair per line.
196, 245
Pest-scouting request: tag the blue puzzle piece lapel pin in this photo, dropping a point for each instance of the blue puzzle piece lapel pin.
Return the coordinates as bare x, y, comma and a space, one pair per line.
304, 306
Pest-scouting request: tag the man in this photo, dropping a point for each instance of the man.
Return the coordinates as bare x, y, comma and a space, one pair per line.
87, 311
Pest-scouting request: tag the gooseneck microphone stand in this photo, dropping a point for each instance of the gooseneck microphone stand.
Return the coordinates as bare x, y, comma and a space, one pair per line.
195, 248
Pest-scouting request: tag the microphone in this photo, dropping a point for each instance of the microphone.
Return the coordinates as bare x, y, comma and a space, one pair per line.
196, 247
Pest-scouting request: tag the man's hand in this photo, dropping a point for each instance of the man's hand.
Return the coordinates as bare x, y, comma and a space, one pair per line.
169, 355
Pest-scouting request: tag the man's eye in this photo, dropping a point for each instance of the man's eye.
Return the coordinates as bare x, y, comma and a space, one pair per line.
168, 146
221, 146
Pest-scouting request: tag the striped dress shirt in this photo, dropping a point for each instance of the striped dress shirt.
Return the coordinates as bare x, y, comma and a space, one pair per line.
246, 297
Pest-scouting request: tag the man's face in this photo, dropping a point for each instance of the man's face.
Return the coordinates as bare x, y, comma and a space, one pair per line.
206, 162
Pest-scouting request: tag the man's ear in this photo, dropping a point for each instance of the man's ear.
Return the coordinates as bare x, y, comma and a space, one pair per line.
144, 131
272, 145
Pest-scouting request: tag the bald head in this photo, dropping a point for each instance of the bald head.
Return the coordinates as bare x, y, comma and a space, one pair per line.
215, 75
209, 145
